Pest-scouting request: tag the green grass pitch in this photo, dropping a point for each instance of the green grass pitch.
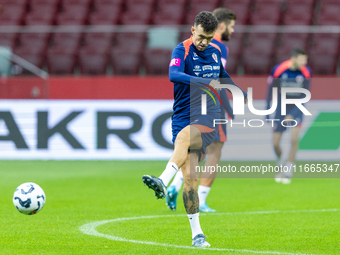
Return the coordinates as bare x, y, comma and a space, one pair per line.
81, 192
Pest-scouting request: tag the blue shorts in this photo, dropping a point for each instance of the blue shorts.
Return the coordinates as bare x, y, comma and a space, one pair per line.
221, 130
205, 123
278, 126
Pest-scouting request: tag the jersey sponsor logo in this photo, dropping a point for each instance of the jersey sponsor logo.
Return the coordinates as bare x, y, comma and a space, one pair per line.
207, 67
197, 68
175, 62
284, 76
215, 57
216, 67
208, 75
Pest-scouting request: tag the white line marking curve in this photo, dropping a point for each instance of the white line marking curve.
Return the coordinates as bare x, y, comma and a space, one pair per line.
90, 229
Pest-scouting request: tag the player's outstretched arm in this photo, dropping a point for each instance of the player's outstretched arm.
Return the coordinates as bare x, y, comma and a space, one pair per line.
177, 67
226, 104
228, 80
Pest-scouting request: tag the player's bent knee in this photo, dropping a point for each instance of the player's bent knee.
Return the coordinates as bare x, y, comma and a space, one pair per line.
183, 138
196, 141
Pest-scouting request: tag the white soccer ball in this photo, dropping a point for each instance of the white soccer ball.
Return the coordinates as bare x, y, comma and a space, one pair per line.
29, 198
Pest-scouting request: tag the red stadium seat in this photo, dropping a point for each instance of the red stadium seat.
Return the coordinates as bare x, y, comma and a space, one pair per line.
235, 44
260, 43
157, 61
37, 41
44, 2
98, 42
294, 10
73, 15
232, 64
289, 41
43, 9
325, 44
131, 42
138, 2
197, 7
68, 3
139, 14
323, 64
329, 13
234, 50
125, 63
8, 40
33, 55
293, 40
257, 64
66, 41
92, 62
60, 61
240, 8
41, 15
106, 15
170, 14
16, 13
107, 2
14, 2
267, 12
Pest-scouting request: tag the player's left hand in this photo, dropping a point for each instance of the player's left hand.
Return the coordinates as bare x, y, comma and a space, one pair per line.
214, 83
289, 117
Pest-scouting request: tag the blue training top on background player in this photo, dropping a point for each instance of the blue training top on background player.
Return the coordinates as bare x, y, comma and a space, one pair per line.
282, 76
225, 107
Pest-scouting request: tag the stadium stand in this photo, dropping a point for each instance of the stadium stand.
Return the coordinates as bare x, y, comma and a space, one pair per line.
329, 13
92, 62
157, 61
235, 46
125, 53
257, 56
293, 12
241, 9
266, 12
287, 42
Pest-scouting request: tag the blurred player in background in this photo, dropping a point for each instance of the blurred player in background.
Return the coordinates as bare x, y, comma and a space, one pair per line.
290, 73
226, 22
191, 61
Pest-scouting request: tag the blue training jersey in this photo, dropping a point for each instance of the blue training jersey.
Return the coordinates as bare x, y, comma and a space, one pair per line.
281, 76
191, 71
223, 94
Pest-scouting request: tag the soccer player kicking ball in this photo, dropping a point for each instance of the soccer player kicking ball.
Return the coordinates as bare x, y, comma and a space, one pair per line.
290, 73
192, 60
226, 22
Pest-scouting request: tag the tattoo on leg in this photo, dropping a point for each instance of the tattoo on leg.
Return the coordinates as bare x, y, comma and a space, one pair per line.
190, 199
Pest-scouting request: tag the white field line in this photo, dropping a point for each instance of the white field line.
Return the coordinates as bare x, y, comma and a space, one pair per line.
90, 229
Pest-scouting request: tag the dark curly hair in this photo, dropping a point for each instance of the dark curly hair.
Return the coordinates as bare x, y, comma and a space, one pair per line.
298, 51
224, 15
207, 20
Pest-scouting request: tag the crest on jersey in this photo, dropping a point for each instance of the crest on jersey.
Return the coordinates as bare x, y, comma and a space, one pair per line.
215, 57
299, 79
